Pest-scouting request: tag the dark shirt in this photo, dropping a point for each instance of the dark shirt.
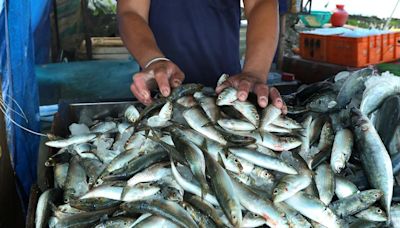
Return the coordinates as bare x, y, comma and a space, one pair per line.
200, 36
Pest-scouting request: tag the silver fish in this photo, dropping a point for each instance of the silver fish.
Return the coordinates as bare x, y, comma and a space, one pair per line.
374, 157
236, 125
314, 209
374, 214
355, 203
344, 188
269, 115
263, 160
290, 185
70, 141
208, 105
325, 181
341, 150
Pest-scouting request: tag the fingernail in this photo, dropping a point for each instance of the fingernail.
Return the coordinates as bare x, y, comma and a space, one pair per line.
279, 100
242, 96
263, 101
145, 94
165, 91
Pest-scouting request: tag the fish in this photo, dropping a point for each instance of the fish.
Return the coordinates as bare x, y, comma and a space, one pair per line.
312, 208
61, 143
290, 185
341, 149
374, 157
166, 209
344, 188
354, 84
43, 209
209, 106
199, 122
222, 185
374, 214
325, 181
356, 203
263, 160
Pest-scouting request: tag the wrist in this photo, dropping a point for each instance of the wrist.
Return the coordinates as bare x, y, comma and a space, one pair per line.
155, 60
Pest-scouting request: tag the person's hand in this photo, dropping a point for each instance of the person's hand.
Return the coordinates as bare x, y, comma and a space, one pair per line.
247, 82
162, 74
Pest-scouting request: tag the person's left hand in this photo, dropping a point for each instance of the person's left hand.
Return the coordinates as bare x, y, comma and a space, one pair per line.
248, 82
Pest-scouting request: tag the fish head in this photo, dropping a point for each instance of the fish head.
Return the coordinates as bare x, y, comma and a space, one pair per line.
235, 215
227, 96
277, 194
371, 195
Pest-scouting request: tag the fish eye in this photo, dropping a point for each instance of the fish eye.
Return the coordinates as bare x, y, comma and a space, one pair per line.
276, 191
256, 215
379, 211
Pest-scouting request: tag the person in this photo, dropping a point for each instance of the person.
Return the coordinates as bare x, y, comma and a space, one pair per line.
199, 39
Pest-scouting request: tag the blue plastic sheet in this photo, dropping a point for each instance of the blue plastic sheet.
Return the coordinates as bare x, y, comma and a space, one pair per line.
19, 82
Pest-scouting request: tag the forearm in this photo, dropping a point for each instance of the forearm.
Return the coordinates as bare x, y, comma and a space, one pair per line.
138, 37
262, 37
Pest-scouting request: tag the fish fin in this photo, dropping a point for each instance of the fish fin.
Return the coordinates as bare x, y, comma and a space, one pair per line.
124, 192
221, 161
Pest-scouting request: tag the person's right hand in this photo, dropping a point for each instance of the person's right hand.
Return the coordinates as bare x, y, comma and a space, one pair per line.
162, 74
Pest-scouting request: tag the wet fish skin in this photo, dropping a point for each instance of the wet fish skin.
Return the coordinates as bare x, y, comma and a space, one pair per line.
190, 187
43, 210
374, 157
269, 115
294, 218
374, 214
60, 174
263, 160
204, 207
313, 208
341, 150
153, 173
252, 220
202, 220
199, 122
290, 185
137, 165
276, 143
356, 203
116, 222
156, 221
132, 114
236, 125
194, 157
263, 207
248, 110
84, 219
208, 105
354, 84
344, 188
70, 141
223, 188
227, 96
325, 181
94, 204
163, 208
75, 183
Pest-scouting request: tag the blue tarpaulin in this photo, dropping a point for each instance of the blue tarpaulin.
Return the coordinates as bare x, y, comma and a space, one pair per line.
19, 83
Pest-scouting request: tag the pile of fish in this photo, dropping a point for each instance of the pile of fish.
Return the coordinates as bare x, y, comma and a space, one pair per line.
197, 159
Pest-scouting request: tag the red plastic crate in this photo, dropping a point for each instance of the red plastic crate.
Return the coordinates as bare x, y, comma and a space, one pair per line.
350, 51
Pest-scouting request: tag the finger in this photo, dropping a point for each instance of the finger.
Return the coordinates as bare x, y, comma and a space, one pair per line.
243, 89
223, 86
139, 80
262, 90
137, 94
163, 83
284, 109
177, 78
276, 98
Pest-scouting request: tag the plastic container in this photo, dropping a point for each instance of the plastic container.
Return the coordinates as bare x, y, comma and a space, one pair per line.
339, 16
350, 51
316, 19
